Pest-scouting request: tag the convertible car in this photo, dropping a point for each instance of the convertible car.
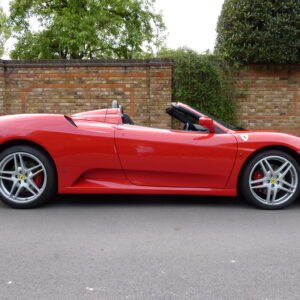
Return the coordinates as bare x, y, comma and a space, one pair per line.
103, 152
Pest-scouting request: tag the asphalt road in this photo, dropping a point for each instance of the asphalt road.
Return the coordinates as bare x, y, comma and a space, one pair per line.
125, 247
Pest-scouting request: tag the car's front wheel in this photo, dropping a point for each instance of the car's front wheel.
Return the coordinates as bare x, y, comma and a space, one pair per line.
27, 177
271, 180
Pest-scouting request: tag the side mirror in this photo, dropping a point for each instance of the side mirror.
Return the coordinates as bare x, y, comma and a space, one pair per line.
207, 123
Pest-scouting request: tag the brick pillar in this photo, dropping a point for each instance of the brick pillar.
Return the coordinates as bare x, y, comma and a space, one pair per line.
160, 90
69, 86
2, 88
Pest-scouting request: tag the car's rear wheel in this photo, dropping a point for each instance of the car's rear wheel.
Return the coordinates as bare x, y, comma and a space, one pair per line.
27, 177
271, 180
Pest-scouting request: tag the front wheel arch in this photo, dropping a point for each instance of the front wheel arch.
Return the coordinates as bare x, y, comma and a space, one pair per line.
289, 191
288, 150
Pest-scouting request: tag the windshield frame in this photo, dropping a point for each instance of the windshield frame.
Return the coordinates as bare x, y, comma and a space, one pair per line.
221, 126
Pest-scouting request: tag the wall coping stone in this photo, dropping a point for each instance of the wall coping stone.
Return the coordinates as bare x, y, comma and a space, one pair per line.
86, 63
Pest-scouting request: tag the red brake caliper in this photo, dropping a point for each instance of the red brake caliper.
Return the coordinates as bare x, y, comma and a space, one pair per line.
258, 175
38, 179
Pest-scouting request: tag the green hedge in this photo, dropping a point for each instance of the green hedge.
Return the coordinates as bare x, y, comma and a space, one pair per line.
259, 31
200, 81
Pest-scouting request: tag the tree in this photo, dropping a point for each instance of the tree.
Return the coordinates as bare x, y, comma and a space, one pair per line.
256, 31
199, 80
4, 31
84, 28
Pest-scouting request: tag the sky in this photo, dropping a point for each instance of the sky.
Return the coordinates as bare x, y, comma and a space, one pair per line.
190, 23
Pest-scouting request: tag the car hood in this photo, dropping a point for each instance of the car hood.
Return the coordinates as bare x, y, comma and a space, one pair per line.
263, 138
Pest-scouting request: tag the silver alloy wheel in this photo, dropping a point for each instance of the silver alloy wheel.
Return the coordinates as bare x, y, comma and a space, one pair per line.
18, 177
273, 180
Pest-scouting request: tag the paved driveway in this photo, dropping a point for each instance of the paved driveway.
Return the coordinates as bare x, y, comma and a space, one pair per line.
125, 247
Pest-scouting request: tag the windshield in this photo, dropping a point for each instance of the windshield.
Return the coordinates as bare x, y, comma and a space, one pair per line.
186, 114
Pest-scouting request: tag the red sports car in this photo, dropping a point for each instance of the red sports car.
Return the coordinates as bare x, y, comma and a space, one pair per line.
103, 152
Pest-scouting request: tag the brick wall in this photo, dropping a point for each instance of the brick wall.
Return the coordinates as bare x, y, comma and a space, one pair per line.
142, 86
268, 97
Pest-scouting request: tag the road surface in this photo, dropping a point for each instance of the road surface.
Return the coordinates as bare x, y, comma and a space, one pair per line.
149, 247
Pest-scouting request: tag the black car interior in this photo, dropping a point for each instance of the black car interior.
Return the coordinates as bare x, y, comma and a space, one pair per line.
187, 118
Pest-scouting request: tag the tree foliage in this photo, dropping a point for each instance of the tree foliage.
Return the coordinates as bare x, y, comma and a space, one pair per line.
256, 31
4, 31
199, 80
84, 28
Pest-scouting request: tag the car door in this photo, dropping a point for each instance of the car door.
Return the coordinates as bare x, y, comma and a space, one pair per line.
175, 158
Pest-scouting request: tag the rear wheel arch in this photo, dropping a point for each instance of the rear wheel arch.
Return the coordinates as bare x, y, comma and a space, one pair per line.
22, 142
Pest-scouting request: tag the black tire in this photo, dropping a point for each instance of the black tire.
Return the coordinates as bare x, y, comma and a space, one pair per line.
244, 185
49, 185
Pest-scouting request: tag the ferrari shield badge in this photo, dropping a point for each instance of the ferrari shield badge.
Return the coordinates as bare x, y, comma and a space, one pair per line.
244, 137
